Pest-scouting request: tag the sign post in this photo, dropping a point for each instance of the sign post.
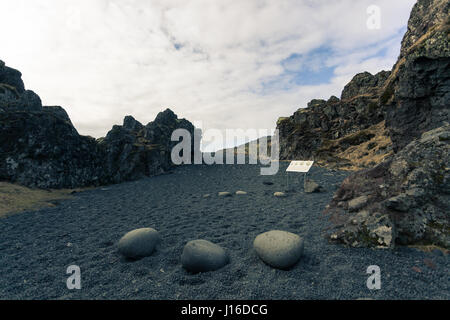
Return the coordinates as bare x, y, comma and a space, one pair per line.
299, 166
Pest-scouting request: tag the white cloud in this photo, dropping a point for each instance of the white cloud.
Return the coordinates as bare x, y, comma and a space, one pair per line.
104, 59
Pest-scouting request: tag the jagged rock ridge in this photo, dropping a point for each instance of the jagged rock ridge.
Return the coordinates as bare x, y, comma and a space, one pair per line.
39, 146
346, 133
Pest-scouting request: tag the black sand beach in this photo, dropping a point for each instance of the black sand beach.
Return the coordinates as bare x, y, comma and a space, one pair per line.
37, 247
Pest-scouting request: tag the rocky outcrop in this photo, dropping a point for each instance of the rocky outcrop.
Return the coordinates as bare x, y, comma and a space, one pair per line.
425, 16
13, 94
133, 150
11, 77
365, 84
417, 94
412, 99
39, 146
396, 123
405, 200
330, 131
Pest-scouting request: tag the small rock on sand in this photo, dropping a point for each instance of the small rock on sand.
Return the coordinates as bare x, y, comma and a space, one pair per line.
241, 193
203, 256
139, 243
224, 194
357, 203
279, 249
280, 194
311, 186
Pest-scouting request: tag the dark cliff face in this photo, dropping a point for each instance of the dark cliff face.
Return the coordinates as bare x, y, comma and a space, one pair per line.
329, 131
39, 146
418, 92
405, 200
42, 149
425, 15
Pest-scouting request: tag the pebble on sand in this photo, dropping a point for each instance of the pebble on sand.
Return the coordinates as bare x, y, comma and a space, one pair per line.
203, 256
311, 186
280, 194
139, 243
357, 203
279, 249
225, 194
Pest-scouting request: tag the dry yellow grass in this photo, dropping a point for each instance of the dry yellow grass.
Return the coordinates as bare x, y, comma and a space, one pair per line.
16, 199
359, 156
362, 156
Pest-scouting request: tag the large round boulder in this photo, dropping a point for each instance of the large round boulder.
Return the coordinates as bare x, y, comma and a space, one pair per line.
279, 249
203, 256
139, 243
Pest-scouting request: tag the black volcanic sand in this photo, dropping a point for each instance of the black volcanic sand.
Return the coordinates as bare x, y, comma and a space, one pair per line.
37, 247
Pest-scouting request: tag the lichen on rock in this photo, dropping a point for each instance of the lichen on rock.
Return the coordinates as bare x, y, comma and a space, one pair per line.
409, 198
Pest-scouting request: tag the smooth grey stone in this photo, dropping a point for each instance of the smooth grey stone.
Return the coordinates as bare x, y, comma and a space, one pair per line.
139, 243
311, 186
203, 256
279, 249
357, 203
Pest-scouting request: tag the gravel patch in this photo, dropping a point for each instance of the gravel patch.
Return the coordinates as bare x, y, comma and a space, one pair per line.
37, 247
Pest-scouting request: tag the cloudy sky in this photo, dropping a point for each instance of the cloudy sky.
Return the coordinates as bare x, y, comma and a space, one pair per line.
226, 63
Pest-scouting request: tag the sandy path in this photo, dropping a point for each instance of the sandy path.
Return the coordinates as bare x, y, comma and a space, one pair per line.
37, 247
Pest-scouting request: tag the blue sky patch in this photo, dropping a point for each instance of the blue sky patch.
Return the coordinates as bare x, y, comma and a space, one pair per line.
310, 68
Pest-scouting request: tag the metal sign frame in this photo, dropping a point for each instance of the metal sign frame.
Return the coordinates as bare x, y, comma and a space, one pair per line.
301, 167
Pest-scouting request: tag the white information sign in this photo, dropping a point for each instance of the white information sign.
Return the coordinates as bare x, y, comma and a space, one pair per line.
300, 166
